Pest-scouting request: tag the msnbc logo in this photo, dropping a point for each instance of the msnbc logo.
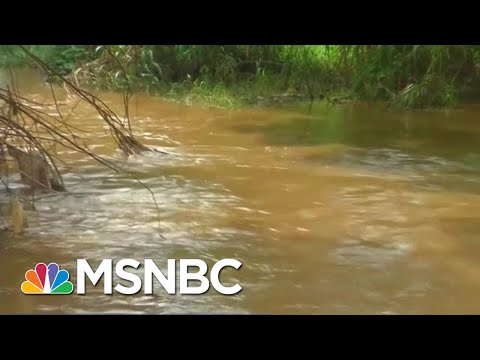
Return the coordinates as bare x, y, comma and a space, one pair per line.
51, 280
47, 280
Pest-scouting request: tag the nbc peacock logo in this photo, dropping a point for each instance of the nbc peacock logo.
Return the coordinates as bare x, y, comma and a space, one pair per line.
47, 280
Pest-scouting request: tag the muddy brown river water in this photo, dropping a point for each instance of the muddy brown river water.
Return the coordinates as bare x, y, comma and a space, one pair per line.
334, 209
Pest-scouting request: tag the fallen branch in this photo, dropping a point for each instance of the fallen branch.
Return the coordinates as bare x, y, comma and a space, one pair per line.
28, 134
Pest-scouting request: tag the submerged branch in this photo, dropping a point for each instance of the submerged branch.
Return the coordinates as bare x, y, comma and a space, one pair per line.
28, 134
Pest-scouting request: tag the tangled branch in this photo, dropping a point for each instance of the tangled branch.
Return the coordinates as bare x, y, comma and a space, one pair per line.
30, 135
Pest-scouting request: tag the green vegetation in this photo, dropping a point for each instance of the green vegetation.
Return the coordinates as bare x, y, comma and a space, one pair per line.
63, 58
411, 76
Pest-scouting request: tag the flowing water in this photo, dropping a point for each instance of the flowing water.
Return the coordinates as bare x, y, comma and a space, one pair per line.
331, 209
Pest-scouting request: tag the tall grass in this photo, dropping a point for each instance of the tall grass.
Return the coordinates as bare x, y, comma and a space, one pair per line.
64, 58
413, 76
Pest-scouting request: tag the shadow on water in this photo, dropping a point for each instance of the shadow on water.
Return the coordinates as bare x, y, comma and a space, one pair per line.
443, 146
370, 126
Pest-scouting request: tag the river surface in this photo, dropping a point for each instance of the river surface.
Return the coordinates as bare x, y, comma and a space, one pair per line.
332, 209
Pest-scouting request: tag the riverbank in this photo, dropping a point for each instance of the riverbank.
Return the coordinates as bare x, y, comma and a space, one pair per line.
242, 95
405, 76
